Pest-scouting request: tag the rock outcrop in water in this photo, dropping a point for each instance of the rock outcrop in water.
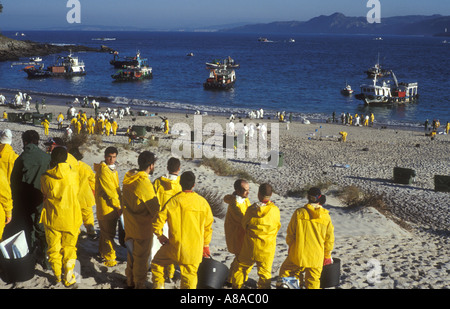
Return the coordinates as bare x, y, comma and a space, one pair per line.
13, 50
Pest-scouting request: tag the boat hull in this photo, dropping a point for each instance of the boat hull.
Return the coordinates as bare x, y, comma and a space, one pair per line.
119, 78
382, 100
45, 74
218, 86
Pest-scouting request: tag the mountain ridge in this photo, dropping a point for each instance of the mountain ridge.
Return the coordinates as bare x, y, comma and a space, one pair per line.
338, 23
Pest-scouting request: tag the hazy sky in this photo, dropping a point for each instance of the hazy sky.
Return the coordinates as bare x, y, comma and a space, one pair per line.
172, 14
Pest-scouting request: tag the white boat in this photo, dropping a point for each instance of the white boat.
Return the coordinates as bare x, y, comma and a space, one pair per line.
385, 91
291, 40
222, 75
35, 59
347, 91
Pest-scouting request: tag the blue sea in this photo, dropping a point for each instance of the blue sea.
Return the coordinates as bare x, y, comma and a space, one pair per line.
303, 77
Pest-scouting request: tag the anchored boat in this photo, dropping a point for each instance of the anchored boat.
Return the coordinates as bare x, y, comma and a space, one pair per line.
65, 66
388, 90
222, 75
119, 62
136, 72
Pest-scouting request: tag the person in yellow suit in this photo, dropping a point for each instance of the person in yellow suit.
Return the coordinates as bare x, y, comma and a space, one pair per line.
61, 216
79, 126
46, 125
101, 125
366, 121
372, 119
107, 127
91, 125
108, 206
86, 196
166, 126
7, 154
238, 203
140, 206
73, 124
310, 237
6, 202
114, 127
166, 187
60, 120
190, 220
447, 128
261, 223
343, 136
7, 158
5, 115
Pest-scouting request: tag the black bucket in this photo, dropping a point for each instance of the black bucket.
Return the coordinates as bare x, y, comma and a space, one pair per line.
331, 274
211, 274
18, 270
404, 175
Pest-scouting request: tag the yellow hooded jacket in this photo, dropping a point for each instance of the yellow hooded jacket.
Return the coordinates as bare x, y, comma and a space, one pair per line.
234, 232
107, 190
7, 158
166, 188
140, 205
87, 185
261, 224
6, 204
61, 211
310, 236
190, 220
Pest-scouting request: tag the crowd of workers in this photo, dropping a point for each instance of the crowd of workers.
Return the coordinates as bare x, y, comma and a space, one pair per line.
50, 194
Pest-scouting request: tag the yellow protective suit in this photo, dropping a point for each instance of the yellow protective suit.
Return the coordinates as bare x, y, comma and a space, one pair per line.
86, 196
114, 127
6, 204
61, 217
7, 158
46, 125
140, 206
344, 135
5, 115
261, 223
234, 232
107, 127
166, 126
165, 188
91, 126
107, 200
190, 220
310, 237
101, 126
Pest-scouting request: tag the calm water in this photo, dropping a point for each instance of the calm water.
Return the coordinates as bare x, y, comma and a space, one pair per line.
304, 77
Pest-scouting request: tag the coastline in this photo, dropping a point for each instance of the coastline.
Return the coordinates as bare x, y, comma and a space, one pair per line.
414, 255
180, 108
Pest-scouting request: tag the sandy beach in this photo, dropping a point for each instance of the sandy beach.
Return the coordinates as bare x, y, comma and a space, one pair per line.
403, 245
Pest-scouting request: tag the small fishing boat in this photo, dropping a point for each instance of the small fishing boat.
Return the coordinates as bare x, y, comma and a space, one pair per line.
347, 90
65, 66
120, 62
387, 90
222, 75
137, 72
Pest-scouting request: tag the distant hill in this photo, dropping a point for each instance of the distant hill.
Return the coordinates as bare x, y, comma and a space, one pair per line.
338, 23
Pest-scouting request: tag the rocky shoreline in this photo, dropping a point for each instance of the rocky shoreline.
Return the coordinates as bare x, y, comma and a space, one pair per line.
13, 50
